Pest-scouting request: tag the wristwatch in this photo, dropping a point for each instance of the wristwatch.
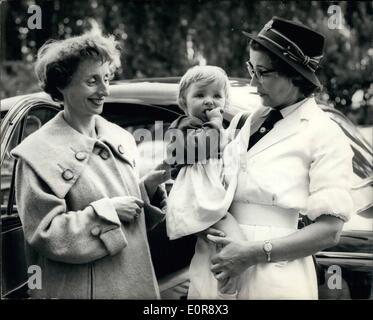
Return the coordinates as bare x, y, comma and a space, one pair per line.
267, 248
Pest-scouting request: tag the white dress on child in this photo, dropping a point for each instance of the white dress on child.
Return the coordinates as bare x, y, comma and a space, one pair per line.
198, 199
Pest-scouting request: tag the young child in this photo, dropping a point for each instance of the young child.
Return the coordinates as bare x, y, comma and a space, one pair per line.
200, 197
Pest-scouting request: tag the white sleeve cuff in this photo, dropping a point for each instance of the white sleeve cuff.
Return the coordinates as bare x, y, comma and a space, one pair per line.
331, 201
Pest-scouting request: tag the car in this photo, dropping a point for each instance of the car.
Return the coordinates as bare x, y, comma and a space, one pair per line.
152, 104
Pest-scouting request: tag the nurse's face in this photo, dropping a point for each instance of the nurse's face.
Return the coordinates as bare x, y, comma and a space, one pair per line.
275, 90
85, 94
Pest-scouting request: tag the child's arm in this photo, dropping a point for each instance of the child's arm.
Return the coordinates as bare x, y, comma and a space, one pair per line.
229, 225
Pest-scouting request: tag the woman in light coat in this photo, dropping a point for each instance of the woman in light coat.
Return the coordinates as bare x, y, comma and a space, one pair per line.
78, 191
293, 159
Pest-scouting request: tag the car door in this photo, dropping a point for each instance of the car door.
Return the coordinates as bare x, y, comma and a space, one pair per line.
24, 117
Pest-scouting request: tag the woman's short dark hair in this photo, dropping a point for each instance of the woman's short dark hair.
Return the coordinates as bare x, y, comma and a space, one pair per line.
305, 87
57, 61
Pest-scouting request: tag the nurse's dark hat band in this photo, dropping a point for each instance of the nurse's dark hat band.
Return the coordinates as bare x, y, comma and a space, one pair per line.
287, 47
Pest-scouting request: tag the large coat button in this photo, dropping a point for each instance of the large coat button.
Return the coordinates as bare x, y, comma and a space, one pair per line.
262, 129
95, 231
104, 154
80, 155
120, 149
67, 175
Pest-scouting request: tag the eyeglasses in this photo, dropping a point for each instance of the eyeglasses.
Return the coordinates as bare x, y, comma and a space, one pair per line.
260, 75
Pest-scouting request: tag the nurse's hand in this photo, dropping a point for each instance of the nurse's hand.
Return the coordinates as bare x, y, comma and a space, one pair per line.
128, 207
234, 257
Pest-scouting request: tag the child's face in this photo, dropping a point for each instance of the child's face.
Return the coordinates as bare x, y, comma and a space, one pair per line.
201, 98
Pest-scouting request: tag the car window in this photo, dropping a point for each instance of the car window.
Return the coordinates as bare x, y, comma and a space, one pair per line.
7, 169
148, 124
2, 114
33, 121
135, 116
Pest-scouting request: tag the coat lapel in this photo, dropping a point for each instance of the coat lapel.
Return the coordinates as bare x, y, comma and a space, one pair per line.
251, 124
284, 128
120, 141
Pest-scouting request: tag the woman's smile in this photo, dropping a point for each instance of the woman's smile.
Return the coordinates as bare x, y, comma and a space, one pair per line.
97, 101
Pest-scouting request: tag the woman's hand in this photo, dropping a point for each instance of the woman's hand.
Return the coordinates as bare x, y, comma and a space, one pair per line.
128, 208
233, 258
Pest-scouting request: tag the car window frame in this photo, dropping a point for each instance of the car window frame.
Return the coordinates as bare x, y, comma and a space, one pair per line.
15, 119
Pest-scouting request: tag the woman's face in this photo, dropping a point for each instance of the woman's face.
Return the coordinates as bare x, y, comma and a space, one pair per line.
275, 90
85, 94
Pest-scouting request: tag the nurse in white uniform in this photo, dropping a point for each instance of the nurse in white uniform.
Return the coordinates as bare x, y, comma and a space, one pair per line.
293, 160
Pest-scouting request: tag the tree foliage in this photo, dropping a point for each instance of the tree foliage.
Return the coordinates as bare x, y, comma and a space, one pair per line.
164, 38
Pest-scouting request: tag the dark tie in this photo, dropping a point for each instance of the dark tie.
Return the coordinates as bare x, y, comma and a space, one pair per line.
274, 116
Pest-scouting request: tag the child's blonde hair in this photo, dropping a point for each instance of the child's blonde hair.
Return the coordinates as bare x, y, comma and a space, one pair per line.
206, 75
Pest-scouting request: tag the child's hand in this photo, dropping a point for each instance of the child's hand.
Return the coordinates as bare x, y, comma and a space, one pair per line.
156, 177
215, 114
163, 166
211, 231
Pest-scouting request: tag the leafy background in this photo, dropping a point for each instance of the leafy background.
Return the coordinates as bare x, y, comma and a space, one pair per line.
164, 38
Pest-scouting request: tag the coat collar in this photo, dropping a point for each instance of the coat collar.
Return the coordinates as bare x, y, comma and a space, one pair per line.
283, 129
58, 153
